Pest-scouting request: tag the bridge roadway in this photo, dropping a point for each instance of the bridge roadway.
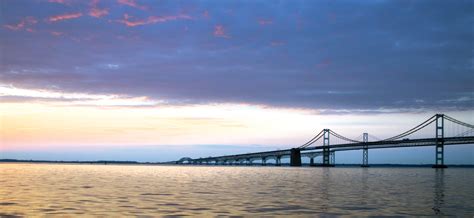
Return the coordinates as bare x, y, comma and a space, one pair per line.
315, 151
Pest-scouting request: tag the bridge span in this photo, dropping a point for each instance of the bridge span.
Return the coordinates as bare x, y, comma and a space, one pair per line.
448, 132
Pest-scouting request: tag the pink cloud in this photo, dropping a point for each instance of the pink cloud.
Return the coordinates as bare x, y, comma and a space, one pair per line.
24, 23
205, 14
64, 2
95, 11
132, 3
57, 33
265, 22
151, 19
219, 31
324, 63
64, 17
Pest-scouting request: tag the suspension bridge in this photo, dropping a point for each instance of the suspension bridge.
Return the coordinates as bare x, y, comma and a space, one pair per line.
447, 131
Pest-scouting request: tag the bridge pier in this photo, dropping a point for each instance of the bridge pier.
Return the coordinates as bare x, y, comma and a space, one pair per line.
278, 161
333, 157
311, 161
439, 159
295, 157
264, 161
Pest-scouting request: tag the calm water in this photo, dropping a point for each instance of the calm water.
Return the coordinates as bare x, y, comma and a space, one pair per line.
32, 189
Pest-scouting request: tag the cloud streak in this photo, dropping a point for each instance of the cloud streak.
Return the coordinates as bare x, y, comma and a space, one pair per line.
129, 21
219, 31
132, 3
62, 17
25, 24
97, 12
264, 22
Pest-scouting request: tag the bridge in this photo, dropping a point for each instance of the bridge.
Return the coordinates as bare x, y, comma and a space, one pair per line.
447, 131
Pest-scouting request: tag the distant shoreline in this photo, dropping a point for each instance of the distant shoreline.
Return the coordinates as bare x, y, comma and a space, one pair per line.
107, 162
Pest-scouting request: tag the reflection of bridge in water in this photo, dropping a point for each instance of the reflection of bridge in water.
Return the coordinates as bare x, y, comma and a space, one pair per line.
448, 131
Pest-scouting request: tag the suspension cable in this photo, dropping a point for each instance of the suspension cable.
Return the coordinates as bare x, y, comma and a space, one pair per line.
413, 130
314, 139
375, 137
342, 137
458, 121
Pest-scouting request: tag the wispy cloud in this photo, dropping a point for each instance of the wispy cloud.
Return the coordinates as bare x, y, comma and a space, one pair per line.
64, 17
219, 31
132, 3
206, 14
277, 43
265, 22
324, 63
64, 2
55, 33
24, 24
151, 19
95, 11
18, 94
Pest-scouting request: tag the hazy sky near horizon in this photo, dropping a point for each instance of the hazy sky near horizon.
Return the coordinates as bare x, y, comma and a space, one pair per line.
185, 78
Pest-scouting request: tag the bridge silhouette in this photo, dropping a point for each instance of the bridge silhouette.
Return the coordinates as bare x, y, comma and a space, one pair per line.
447, 131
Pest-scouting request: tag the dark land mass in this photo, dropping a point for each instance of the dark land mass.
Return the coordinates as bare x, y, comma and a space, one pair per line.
105, 162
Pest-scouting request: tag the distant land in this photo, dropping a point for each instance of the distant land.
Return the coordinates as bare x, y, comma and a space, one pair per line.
116, 162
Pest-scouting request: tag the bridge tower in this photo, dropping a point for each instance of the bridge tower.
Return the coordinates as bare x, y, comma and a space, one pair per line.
326, 151
439, 142
365, 150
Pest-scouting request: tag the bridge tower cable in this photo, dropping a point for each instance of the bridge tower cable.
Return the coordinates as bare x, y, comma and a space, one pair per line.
365, 151
439, 141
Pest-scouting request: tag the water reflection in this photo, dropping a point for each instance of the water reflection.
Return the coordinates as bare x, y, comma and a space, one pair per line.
325, 189
438, 191
116, 190
364, 186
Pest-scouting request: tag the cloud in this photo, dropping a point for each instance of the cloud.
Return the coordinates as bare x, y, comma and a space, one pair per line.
205, 14
348, 64
324, 63
24, 24
54, 33
264, 22
65, 2
64, 17
95, 11
277, 43
151, 19
132, 3
219, 31
13, 94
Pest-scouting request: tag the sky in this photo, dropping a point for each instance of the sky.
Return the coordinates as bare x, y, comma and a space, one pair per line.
159, 80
